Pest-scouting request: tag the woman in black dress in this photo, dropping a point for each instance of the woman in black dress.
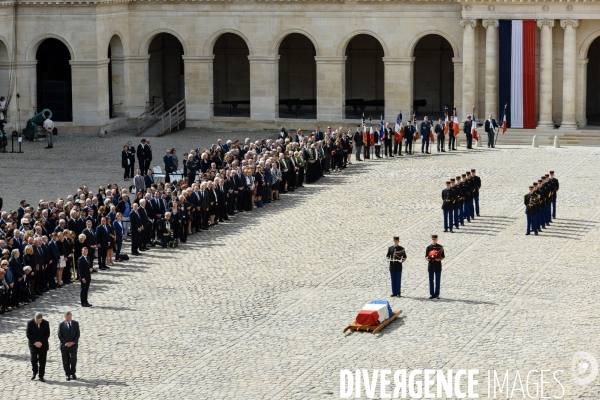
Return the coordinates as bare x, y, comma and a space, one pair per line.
338, 154
111, 242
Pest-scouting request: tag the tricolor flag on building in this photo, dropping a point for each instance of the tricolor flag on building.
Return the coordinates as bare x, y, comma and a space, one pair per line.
517, 72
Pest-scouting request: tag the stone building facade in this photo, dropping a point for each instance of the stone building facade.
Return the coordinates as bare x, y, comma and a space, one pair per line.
257, 61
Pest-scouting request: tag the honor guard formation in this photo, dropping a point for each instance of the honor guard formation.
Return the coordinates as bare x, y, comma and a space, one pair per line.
540, 203
460, 200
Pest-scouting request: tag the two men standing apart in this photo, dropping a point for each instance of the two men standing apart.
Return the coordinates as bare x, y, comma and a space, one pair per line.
38, 333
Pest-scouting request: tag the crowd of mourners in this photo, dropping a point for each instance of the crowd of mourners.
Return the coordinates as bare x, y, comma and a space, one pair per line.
43, 245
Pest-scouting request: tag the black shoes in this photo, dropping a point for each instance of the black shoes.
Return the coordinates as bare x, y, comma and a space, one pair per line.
431, 297
68, 378
74, 377
33, 376
42, 379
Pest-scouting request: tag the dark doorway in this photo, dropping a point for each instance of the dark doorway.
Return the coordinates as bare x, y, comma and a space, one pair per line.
231, 76
297, 78
364, 77
592, 104
54, 80
433, 76
116, 70
167, 83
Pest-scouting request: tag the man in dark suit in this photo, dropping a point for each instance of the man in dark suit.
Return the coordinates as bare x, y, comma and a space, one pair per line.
68, 335
490, 124
358, 142
84, 270
145, 224
131, 155
148, 155
141, 155
16, 267
102, 240
318, 134
90, 241
38, 332
148, 178
467, 128
136, 230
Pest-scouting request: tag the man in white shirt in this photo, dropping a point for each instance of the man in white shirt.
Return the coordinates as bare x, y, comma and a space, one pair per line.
49, 127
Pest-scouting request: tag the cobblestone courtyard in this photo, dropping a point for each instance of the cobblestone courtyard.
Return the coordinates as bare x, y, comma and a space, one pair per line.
255, 308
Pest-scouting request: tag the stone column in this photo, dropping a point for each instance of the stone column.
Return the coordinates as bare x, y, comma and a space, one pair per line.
398, 95
26, 86
331, 90
491, 67
198, 87
581, 94
91, 105
469, 72
546, 60
264, 87
136, 89
458, 85
569, 73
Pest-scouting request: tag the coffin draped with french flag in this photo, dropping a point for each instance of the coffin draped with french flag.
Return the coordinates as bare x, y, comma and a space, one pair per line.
374, 313
517, 72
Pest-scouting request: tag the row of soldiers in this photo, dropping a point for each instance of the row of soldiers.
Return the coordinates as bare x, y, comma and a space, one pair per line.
460, 200
540, 203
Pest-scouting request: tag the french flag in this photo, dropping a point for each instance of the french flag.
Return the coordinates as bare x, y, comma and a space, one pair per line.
517, 72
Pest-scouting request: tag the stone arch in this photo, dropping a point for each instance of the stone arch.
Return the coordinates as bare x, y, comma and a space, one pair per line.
5, 54
275, 47
119, 49
116, 71
35, 44
210, 43
415, 41
590, 53
341, 50
145, 45
231, 75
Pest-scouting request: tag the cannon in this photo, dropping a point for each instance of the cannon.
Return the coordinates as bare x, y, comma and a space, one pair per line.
30, 131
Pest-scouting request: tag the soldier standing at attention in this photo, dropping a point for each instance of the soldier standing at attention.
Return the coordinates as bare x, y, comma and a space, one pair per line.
434, 254
439, 130
455, 191
460, 194
476, 187
469, 199
555, 185
447, 205
397, 255
530, 200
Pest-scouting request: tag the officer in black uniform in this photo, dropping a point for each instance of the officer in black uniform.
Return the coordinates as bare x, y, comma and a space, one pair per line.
451, 138
397, 255
439, 131
469, 196
467, 130
531, 201
555, 186
455, 201
549, 194
435, 266
447, 206
543, 201
476, 187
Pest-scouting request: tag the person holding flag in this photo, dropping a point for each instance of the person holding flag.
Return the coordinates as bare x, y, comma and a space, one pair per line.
467, 127
451, 135
398, 135
425, 130
379, 138
490, 125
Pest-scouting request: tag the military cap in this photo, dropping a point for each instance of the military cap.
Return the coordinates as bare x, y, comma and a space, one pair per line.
447, 182
396, 237
452, 180
530, 187
473, 170
434, 236
551, 172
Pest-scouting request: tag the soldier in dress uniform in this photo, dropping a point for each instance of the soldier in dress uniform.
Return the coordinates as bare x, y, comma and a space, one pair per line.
550, 193
469, 197
531, 201
460, 193
447, 206
397, 255
455, 210
476, 187
543, 200
555, 186
434, 254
